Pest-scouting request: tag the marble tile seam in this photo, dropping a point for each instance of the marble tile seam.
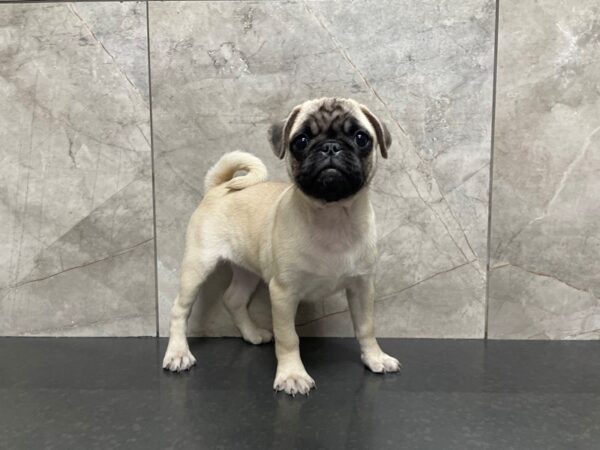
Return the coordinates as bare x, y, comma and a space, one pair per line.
153, 178
491, 173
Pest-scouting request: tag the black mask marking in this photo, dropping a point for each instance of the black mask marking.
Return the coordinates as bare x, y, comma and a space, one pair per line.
331, 154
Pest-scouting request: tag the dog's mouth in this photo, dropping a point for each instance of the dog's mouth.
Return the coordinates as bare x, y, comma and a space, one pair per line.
330, 169
329, 178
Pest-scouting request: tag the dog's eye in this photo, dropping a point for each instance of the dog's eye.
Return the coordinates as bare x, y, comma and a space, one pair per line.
362, 139
300, 142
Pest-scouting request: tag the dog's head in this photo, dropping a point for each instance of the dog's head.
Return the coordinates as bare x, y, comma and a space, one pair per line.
330, 146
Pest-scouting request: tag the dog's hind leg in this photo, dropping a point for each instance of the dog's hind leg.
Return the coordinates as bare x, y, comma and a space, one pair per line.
196, 266
236, 299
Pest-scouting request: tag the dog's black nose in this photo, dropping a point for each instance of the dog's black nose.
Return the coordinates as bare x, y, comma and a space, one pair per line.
331, 148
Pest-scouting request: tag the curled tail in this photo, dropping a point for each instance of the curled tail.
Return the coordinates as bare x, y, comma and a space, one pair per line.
229, 164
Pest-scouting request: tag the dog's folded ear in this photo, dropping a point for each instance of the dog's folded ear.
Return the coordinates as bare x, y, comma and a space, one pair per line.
279, 133
384, 138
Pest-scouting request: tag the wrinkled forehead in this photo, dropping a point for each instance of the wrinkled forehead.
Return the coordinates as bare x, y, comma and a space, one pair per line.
330, 115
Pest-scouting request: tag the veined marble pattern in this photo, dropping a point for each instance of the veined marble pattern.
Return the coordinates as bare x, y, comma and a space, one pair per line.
223, 71
75, 178
545, 236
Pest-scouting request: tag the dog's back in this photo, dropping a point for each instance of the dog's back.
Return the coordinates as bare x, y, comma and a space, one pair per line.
237, 208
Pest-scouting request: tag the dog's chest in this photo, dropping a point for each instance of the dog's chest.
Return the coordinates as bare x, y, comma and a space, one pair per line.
328, 262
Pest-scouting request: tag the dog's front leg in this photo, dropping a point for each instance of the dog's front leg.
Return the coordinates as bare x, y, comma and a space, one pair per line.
361, 299
291, 375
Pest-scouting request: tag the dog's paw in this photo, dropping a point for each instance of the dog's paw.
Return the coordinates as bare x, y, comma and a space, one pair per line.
257, 336
178, 360
293, 383
381, 363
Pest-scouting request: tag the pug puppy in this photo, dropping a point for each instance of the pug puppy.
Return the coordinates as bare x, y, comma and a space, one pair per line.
306, 240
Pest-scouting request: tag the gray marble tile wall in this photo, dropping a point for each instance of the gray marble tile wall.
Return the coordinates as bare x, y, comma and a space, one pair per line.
78, 167
223, 71
545, 235
75, 178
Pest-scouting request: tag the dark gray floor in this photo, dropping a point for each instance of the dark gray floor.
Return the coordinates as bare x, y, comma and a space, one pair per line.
111, 393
